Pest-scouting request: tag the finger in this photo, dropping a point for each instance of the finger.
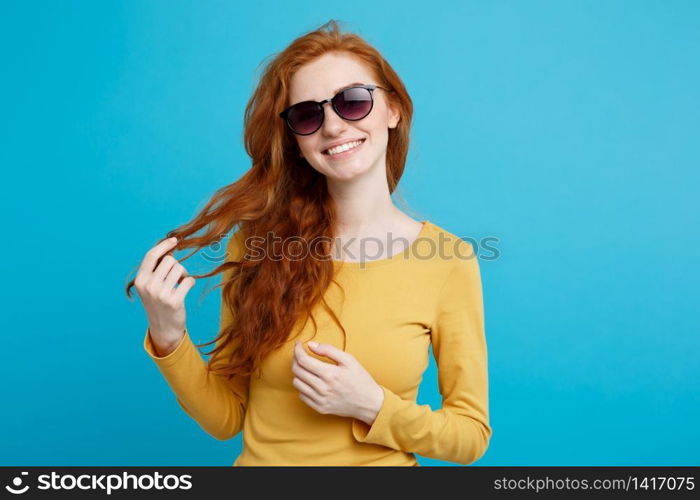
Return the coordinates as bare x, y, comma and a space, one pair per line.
298, 349
173, 276
164, 268
308, 378
307, 390
332, 352
318, 368
185, 274
149, 261
310, 402
184, 287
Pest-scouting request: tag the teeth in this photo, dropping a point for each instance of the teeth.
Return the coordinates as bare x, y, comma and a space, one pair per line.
343, 147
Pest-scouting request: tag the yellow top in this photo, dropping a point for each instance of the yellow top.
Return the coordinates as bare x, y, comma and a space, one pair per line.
394, 309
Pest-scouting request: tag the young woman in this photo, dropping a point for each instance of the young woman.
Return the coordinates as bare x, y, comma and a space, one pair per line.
328, 132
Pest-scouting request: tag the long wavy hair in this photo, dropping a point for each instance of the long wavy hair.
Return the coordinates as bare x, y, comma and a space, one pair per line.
282, 194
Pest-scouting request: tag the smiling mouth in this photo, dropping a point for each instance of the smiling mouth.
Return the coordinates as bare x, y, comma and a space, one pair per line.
325, 152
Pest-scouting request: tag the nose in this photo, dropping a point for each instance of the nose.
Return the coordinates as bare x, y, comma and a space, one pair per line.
332, 122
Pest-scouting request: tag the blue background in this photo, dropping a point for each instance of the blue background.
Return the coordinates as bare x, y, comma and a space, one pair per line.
566, 130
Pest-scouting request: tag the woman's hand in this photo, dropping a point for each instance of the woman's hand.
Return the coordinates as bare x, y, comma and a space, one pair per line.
345, 389
164, 304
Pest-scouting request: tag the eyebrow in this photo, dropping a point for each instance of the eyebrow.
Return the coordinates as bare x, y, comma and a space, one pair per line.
337, 90
347, 86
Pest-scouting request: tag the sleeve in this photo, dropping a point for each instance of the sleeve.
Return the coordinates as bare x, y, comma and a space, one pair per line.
217, 404
459, 431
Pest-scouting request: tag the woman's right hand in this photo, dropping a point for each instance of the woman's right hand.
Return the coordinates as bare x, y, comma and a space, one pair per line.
164, 304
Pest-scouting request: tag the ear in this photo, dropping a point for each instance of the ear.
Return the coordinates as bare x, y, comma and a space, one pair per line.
394, 115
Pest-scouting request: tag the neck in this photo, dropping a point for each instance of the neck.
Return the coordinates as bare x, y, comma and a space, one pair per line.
364, 204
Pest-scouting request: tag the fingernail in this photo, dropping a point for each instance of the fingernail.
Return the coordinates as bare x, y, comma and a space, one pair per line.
313, 344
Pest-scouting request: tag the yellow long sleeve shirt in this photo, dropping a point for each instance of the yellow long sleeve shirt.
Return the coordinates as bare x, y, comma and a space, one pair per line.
394, 308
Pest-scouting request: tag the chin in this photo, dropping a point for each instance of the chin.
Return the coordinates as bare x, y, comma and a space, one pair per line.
348, 171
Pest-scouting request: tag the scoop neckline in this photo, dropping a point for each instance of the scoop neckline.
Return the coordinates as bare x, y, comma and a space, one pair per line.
387, 260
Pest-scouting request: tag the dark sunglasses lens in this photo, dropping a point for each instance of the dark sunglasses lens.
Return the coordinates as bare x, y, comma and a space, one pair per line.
353, 104
305, 117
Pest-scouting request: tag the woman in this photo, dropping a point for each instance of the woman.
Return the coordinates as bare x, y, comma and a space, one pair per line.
322, 176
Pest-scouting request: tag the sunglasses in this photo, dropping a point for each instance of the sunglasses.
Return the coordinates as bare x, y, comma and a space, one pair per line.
353, 103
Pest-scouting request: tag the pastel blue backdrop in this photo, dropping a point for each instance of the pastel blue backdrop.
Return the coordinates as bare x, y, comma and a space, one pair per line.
567, 130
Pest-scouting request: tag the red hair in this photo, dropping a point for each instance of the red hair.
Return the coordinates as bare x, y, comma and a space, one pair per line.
284, 195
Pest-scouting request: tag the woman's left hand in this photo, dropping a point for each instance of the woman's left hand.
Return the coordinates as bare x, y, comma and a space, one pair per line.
345, 389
